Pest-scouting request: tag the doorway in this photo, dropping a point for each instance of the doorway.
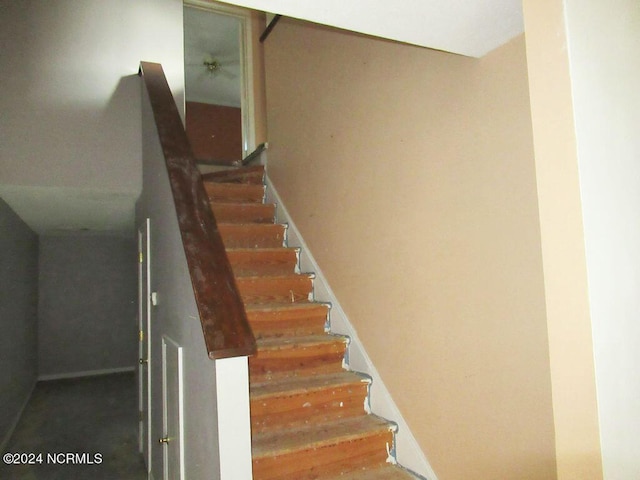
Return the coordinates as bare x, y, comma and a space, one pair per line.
218, 77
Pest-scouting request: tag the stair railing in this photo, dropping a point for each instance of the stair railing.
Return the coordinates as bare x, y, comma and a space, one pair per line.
224, 321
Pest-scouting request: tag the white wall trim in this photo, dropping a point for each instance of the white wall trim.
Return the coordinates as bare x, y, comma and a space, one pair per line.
12, 428
408, 452
234, 426
86, 373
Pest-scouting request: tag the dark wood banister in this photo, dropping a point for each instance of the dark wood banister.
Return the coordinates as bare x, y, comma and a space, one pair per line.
224, 321
254, 155
270, 27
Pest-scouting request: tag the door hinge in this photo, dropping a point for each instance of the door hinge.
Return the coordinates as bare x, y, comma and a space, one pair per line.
141, 335
140, 257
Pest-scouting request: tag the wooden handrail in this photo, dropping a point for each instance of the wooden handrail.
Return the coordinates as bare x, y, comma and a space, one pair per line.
224, 321
270, 27
254, 155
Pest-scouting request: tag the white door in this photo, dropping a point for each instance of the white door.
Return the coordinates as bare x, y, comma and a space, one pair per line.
172, 438
144, 346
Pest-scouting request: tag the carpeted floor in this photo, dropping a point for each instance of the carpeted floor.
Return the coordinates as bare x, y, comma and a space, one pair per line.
93, 418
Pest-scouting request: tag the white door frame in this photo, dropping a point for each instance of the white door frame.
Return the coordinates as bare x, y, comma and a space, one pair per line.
144, 340
172, 439
247, 100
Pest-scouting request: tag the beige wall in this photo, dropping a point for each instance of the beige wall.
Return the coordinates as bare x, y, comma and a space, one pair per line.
410, 174
566, 289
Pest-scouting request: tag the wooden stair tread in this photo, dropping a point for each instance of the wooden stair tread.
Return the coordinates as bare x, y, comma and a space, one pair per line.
263, 261
283, 276
277, 307
253, 174
262, 250
252, 235
282, 319
243, 212
305, 384
288, 288
388, 472
237, 192
293, 402
230, 202
248, 225
289, 356
287, 343
313, 436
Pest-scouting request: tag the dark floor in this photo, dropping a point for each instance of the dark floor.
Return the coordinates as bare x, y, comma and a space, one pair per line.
96, 416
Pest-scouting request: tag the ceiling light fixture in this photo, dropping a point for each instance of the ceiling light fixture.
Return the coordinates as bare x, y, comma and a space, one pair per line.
212, 65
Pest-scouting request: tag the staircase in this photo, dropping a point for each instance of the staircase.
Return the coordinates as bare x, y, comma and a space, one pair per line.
309, 416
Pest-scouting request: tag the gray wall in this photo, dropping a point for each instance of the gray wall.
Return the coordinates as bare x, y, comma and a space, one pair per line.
175, 316
70, 123
87, 305
18, 316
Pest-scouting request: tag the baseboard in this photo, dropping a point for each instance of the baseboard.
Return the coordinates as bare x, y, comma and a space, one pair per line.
86, 373
408, 453
12, 428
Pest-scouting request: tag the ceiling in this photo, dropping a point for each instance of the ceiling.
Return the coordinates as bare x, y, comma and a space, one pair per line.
210, 36
466, 27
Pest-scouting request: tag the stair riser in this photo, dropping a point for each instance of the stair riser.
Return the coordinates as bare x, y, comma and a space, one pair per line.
244, 212
269, 413
287, 324
231, 192
252, 236
275, 289
251, 175
310, 360
326, 461
263, 262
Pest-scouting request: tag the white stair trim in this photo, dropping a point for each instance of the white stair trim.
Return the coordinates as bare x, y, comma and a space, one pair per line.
408, 452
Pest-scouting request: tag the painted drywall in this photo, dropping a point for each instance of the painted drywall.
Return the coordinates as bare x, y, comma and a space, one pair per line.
70, 129
214, 131
18, 317
410, 174
87, 304
603, 41
566, 290
459, 27
176, 315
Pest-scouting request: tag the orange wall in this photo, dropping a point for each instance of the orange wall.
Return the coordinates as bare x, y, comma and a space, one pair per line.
214, 131
410, 173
